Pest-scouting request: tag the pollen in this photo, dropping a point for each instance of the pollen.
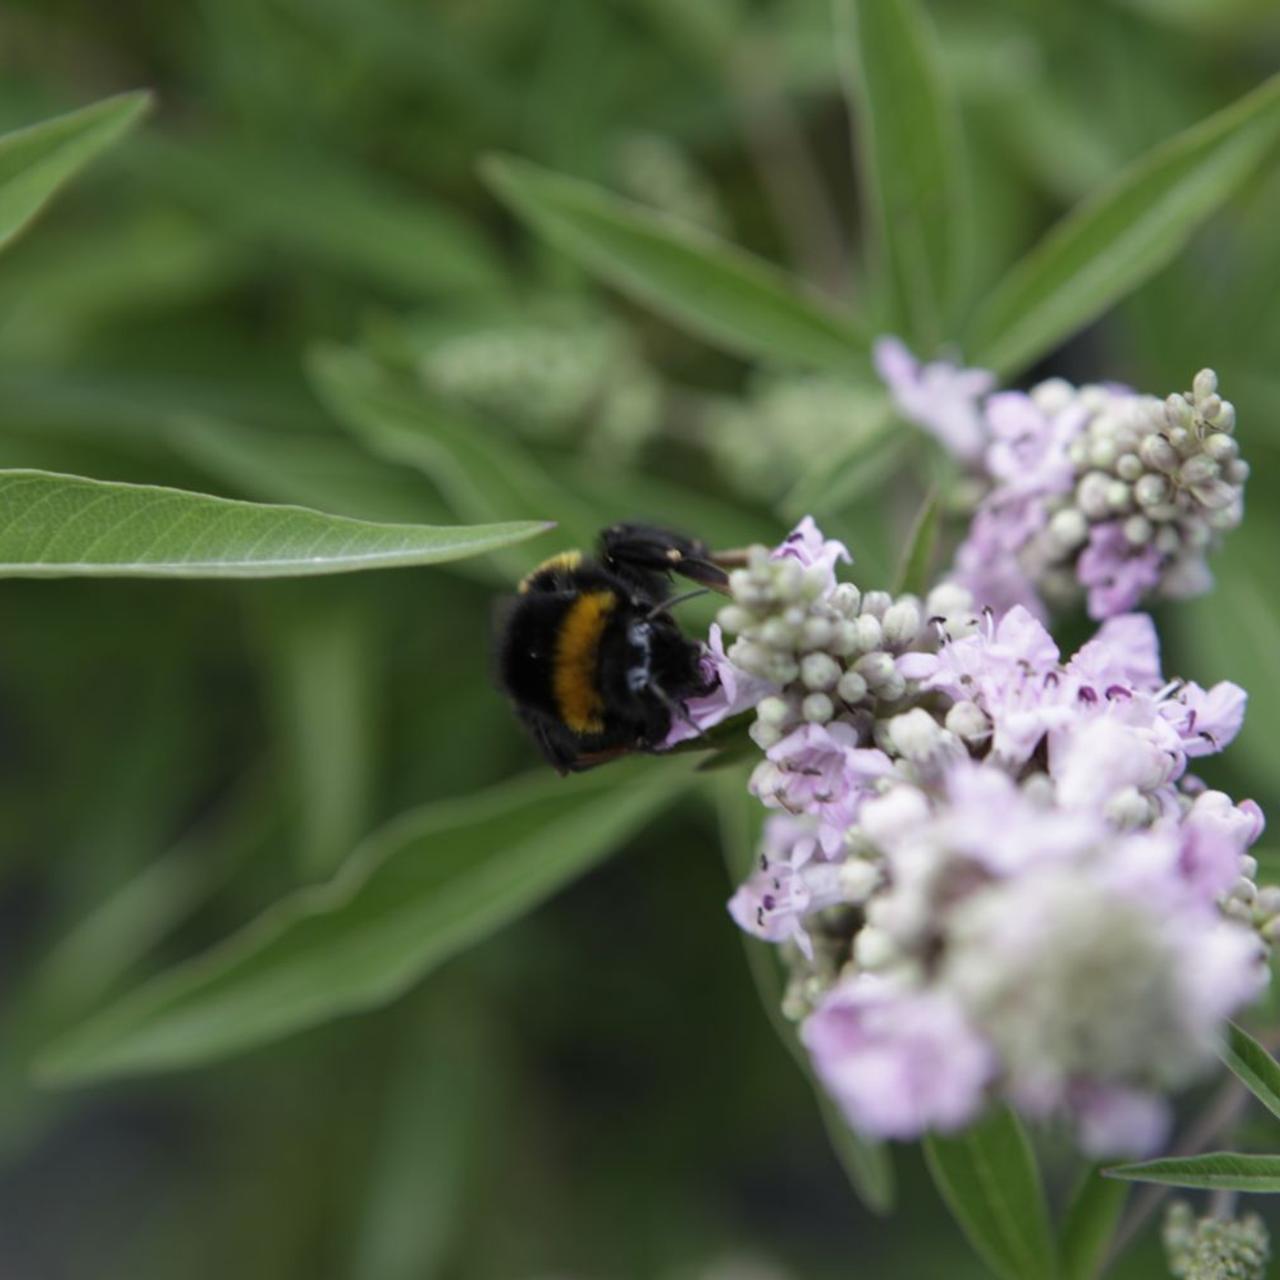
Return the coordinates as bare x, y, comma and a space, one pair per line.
576, 661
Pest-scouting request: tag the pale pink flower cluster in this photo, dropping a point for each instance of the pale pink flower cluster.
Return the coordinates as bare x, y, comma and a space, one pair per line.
1094, 491
989, 865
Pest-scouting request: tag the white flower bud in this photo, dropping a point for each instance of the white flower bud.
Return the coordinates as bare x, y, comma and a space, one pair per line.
948, 598
1158, 453
1224, 518
845, 640
764, 735
1236, 472
968, 721
778, 634
741, 581
773, 710
1209, 408
1119, 495
1150, 489
1168, 540
817, 708
1271, 930
1103, 453
873, 948
1197, 470
1128, 809
1214, 494
1052, 395
858, 879
1078, 453
1138, 530
1249, 866
1225, 419
846, 599
1268, 902
814, 582
816, 633
1178, 412
875, 668
1129, 466
901, 623
1204, 385
874, 603
915, 734
851, 687
1068, 528
870, 633
734, 618
1091, 494
819, 671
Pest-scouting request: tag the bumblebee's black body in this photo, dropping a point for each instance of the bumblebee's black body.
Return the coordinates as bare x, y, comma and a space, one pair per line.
593, 662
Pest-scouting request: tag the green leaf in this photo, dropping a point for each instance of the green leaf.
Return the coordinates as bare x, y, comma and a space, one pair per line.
327, 472
35, 162
1254, 1065
1090, 1223
1115, 240
321, 206
911, 151
55, 526
716, 291
987, 1175
917, 559
481, 472
431, 882
1215, 1171
866, 1164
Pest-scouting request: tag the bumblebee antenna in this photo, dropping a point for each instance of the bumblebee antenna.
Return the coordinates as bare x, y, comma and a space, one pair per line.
664, 605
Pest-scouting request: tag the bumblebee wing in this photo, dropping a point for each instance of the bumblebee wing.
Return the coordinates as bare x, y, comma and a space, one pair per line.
647, 553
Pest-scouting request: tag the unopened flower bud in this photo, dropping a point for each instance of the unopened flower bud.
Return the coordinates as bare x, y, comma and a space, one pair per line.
1150, 489
817, 708
870, 633
858, 878
1158, 453
846, 599
875, 603
1178, 412
1197, 470
1068, 528
873, 948
1118, 495
851, 687
968, 721
773, 710
819, 671
778, 634
1138, 530
817, 633
1091, 495
1204, 385
1129, 466
901, 623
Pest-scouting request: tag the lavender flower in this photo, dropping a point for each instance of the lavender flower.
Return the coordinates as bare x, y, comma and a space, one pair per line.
1095, 491
990, 870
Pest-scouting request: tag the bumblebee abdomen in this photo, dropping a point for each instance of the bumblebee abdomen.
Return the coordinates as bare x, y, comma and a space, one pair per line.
575, 667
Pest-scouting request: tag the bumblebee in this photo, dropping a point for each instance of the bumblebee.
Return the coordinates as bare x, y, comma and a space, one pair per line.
588, 653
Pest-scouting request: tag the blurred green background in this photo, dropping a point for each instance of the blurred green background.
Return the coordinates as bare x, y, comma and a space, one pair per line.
593, 1092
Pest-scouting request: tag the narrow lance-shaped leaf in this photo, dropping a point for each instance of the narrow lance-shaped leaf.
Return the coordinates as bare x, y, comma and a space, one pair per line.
917, 559
911, 160
1254, 1065
1114, 241
55, 526
481, 472
1216, 1171
427, 885
987, 1175
36, 161
1090, 1224
716, 291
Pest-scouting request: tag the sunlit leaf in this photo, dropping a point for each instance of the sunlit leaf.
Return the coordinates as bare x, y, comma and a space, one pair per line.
987, 1175
1122, 235
55, 526
1216, 1171
36, 161
910, 143
430, 883
716, 291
